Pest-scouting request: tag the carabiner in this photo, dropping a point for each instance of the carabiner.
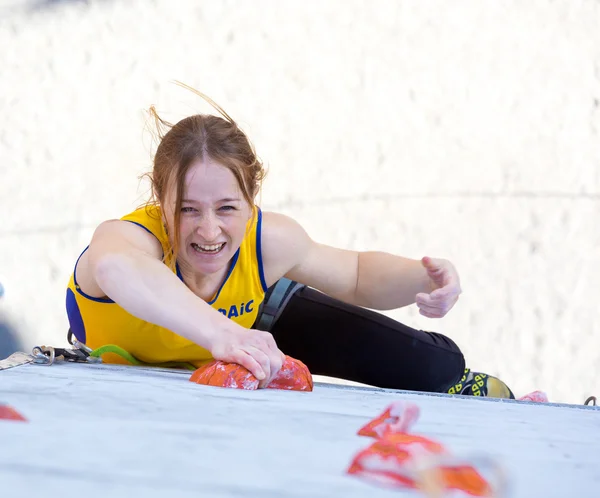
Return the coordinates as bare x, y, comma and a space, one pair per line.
43, 355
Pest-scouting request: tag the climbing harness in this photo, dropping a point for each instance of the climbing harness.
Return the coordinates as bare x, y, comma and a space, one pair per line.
48, 355
80, 353
274, 303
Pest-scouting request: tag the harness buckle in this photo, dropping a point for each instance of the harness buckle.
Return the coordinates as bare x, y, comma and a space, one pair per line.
81, 346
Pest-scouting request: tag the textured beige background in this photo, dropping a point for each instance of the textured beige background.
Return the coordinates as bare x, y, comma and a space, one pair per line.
467, 130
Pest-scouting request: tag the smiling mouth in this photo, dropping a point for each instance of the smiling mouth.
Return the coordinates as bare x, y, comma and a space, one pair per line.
208, 249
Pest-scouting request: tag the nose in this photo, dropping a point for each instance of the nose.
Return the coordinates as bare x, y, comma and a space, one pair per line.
208, 228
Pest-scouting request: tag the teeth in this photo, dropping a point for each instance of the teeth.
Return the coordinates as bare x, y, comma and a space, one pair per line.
209, 248
214, 247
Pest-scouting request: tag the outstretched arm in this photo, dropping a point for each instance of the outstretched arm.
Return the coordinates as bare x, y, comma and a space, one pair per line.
124, 263
375, 280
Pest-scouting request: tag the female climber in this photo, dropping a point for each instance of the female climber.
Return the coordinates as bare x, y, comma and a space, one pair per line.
183, 279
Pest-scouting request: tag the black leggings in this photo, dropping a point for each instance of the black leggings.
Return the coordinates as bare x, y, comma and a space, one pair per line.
349, 342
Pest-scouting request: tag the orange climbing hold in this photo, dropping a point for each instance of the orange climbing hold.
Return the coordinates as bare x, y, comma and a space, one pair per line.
293, 376
400, 416
221, 374
412, 461
9, 413
388, 459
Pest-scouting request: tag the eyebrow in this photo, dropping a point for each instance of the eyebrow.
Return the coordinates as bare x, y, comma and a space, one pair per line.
227, 199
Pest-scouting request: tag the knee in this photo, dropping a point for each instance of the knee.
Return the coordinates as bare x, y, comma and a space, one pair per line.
446, 365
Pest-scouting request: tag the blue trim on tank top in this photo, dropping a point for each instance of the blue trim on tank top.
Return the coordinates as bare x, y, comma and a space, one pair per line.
233, 263
108, 300
178, 270
261, 271
140, 225
74, 315
105, 300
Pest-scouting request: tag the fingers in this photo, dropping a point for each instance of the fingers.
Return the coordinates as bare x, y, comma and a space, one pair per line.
262, 348
430, 264
436, 306
429, 315
436, 268
448, 293
442, 293
248, 362
441, 272
446, 288
274, 356
255, 350
264, 359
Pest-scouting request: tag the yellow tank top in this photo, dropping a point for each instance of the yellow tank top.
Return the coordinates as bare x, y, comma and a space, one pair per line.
100, 321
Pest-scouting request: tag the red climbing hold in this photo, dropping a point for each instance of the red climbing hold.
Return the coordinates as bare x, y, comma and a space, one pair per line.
536, 397
400, 416
9, 413
221, 374
293, 376
412, 461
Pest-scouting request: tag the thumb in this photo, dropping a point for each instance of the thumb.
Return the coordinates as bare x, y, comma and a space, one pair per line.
430, 264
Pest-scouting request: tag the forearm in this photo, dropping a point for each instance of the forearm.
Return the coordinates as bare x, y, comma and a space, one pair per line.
149, 290
387, 282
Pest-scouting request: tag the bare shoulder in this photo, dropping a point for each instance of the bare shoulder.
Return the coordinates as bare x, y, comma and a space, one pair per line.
288, 251
117, 235
113, 236
284, 245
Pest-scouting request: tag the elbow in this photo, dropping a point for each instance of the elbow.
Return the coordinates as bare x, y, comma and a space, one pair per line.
359, 298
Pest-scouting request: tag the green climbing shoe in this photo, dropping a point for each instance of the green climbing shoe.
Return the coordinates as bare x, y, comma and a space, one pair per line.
480, 384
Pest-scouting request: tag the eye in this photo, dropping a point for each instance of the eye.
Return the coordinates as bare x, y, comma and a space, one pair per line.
187, 209
226, 208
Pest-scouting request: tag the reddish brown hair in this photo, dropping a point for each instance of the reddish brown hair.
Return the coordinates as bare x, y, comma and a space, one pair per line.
201, 137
